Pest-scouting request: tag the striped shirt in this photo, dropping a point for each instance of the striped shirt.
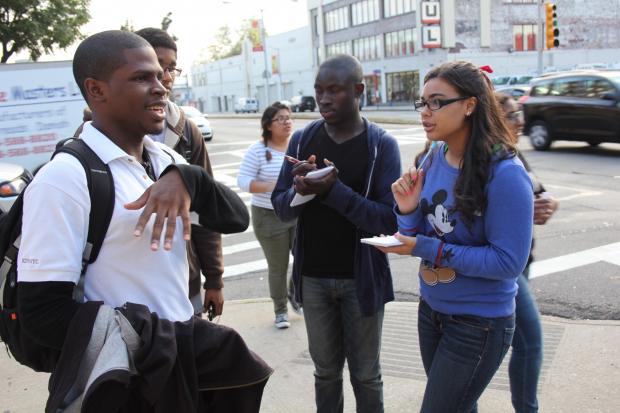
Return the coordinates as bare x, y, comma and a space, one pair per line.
255, 167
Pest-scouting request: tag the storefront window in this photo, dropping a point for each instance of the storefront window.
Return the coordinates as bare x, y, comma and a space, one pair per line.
373, 89
403, 87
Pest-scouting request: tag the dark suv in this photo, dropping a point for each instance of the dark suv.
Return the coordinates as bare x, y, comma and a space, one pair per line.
574, 106
303, 103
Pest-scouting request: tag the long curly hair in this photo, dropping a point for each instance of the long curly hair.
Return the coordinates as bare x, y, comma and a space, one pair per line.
490, 140
270, 112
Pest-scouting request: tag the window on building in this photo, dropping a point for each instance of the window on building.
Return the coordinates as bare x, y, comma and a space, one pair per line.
337, 19
338, 48
400, 43
403, 86
367, 48
525, 37
396, 7
364, 11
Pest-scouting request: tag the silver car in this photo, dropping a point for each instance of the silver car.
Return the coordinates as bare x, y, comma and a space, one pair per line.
200, 120
13, 180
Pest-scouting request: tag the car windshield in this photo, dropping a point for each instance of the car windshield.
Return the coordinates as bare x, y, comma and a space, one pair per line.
524, 80
192, 112
503, 80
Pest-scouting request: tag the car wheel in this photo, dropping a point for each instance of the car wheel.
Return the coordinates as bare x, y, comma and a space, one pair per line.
539, 135
594, 143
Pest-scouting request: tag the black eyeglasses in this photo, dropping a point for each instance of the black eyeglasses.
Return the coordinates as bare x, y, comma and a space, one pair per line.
174, 71
435, 104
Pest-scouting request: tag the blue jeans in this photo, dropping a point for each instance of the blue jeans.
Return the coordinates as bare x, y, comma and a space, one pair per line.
527, 351
337, 330
460, 353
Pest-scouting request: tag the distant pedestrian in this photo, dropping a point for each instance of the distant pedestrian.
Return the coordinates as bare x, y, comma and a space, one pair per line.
258, 175
342, 284
467, 212
527, 343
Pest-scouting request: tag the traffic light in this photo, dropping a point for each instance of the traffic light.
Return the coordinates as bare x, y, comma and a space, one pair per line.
552, 32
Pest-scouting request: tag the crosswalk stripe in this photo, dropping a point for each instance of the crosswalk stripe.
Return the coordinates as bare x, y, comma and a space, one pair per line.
244, 246
245, 268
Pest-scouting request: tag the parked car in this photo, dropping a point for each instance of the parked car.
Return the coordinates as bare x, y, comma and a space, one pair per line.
515, 91
303, 103
511, 80
13, 180
576, 106
246, 105
200, 119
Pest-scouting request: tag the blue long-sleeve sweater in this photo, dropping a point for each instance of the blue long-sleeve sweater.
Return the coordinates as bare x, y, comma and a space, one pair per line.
488, 256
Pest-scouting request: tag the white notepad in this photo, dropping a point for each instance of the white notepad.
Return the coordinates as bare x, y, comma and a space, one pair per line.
299, 199
389, 241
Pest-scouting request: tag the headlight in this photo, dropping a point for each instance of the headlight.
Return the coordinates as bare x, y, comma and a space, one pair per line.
12, 188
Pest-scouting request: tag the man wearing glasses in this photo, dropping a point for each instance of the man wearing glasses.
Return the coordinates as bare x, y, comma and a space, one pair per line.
205, 248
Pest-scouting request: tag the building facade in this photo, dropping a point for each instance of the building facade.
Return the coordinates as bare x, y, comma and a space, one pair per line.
399, 41
216, 86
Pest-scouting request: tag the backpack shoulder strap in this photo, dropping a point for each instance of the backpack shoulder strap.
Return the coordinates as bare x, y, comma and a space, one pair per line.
187, 134
101, 192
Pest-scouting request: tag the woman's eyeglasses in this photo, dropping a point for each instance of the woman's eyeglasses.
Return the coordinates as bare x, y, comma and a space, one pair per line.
435, 104
281, 119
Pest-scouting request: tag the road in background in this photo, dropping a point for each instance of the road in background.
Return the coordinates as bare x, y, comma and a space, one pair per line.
577, 272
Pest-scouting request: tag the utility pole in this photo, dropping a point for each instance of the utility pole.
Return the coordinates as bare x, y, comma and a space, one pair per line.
540, 36
266, 72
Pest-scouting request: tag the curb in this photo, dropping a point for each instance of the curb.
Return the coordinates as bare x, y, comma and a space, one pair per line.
370, 116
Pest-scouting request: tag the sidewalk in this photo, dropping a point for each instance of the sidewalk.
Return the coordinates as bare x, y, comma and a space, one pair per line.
581, 371
404, 115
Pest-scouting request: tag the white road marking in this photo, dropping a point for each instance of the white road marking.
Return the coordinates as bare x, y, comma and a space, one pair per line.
209, 145
247, 267
581, 192
609, 253
227, 165
244, 246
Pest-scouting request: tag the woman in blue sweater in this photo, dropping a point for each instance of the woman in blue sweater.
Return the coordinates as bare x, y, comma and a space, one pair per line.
466, 210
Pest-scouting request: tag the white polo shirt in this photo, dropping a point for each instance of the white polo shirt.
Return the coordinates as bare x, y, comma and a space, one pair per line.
55, 226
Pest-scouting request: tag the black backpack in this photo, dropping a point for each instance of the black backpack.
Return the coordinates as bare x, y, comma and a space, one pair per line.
101, 190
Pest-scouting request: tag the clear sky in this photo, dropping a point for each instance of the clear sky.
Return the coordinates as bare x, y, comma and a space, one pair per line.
194, 22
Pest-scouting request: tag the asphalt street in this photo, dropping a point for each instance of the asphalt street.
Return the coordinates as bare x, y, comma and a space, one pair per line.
577, 269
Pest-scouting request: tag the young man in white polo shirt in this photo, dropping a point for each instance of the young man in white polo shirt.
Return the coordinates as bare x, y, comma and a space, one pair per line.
119, 76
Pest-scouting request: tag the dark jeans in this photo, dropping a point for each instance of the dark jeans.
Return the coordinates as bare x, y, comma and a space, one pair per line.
337, 330
527, 351
460, 353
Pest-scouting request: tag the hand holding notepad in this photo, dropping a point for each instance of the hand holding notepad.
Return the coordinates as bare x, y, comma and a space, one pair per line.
299, 199
389, 241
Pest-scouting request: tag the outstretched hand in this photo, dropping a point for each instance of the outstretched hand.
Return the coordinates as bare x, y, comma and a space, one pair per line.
167, 198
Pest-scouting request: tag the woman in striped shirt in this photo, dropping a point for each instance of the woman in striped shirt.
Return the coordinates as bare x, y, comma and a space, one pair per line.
258, 175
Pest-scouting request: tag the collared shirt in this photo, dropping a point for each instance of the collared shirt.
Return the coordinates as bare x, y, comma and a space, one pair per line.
55, 226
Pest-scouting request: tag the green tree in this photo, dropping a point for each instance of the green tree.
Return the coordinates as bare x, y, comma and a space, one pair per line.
40, 26
166, 21
127, 26
225, 47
